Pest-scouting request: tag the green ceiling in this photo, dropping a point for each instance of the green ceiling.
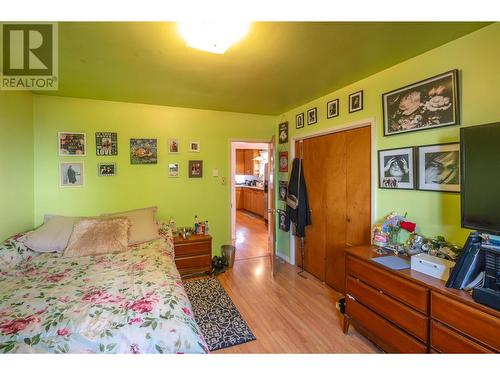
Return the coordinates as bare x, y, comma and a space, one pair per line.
277, 66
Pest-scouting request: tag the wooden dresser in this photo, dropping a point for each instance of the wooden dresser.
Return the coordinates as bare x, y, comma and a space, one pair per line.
409, 312
193, 255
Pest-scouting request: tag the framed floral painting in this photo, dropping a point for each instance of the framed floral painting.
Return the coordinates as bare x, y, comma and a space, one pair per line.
427, 104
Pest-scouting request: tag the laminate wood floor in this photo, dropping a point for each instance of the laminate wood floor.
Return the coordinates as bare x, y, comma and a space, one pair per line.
251, 236
287, 313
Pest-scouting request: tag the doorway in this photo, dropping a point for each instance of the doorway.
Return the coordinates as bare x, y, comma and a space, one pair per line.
250, 199
338, 171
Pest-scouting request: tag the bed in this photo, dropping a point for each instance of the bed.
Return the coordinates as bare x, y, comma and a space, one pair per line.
132, 302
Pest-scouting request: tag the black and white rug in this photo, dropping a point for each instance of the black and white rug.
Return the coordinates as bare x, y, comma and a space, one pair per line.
216, 315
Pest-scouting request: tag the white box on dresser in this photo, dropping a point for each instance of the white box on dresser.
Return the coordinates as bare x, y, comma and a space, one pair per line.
432, 266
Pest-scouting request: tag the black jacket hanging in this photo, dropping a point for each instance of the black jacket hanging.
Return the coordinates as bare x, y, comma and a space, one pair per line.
302, 215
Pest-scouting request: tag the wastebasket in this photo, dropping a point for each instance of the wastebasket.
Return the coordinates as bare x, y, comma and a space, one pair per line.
228, 251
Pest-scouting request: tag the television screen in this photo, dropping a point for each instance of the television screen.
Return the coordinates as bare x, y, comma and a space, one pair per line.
480, 191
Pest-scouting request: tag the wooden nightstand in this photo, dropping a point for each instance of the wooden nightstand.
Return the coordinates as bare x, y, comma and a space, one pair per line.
193, 255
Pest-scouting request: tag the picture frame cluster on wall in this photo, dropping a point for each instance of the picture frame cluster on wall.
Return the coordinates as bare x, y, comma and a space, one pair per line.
142, 151
429, 167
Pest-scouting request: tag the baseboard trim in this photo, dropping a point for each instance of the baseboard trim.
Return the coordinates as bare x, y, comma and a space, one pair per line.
286, 258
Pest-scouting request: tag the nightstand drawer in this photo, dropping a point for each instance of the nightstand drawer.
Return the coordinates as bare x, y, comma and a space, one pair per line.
197, 261
194, 248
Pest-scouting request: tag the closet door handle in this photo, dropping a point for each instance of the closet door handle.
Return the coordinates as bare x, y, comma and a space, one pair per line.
348, 219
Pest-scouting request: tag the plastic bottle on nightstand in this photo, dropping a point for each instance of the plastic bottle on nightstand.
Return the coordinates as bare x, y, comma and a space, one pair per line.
196, 224
206, 228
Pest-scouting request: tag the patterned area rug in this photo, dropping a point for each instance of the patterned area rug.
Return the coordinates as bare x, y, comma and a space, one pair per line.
215, 313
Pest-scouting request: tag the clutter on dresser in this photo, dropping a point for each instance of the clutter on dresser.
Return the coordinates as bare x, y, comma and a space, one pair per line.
200, 226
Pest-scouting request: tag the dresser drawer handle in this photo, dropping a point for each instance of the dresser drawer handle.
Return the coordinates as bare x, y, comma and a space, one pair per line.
381, 291
350, 297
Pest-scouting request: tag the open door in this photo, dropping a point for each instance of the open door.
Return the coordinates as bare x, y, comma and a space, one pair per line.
271, 208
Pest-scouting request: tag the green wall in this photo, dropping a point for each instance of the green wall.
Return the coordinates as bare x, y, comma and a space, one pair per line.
16, 162
477, 57
137, 186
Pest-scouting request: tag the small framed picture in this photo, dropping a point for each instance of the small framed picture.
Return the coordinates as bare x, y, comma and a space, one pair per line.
356, 101
194, 146
283, 132
332, 109
173, 146
143, 151
173, 170
299, 121
106, 144
195, 168
283, 160
107, 169
71, 144
312, 116
283, 190
438, 167
282, 219
396, 168
71, 174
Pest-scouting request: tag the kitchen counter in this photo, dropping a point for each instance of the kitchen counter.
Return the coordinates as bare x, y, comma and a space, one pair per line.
250, 187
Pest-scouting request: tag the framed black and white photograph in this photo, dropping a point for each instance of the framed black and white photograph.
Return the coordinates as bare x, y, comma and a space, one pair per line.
283, 132
71, 174
173, 146
332, 109
427, 104
283, 190
106, 144
71, 144
194, 146
299, 121
312, 116
438, 167
282, 219
195, 168
107, 169
173, 170
396, 168
356, 101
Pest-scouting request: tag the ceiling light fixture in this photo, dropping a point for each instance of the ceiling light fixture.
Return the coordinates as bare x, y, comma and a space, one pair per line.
212, 36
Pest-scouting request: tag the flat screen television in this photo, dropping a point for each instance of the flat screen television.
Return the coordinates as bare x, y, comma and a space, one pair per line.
480, 181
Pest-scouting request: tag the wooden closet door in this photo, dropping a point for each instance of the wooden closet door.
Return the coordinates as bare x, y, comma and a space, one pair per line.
315, 150
358, 187
334, 208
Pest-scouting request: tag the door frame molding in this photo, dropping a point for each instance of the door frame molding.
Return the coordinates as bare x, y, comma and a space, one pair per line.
372, 123
247, 144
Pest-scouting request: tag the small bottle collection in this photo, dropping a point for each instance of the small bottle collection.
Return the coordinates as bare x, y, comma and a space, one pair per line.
200, 226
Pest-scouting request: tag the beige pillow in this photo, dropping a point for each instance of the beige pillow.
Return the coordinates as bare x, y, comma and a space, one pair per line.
51, 236
94, 237
143, 225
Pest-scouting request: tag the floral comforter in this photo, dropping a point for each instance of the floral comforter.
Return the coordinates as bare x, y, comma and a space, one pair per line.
133, 302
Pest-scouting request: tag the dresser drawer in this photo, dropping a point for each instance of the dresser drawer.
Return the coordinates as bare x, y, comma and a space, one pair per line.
193, 248
395, 286
446, 340
398, 313
382, 332
196, 261
466, 319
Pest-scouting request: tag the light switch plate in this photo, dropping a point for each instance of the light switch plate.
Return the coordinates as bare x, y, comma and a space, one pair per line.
215, 173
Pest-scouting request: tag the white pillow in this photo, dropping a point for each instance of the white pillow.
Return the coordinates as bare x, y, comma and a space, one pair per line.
98, 236
51, 236
143, 224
